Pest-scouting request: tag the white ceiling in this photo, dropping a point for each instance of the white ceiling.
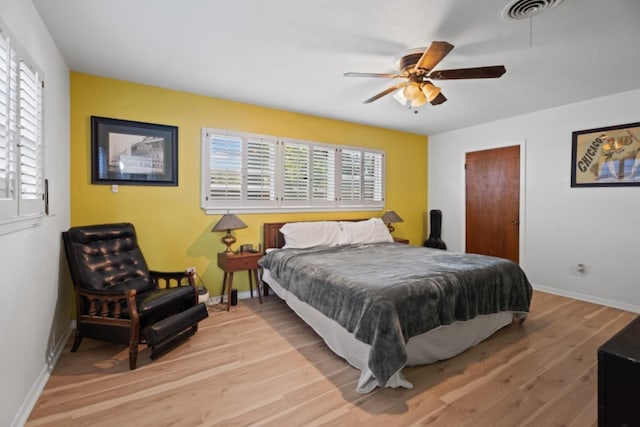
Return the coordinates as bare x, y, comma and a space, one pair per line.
291, 54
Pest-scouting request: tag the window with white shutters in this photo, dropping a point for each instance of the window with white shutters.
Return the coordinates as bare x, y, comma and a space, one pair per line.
21, 134
238, 170
258, 173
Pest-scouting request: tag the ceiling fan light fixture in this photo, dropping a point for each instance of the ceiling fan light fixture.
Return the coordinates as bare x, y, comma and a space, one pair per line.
430, 91
411, 91
419, 100
399, 96
417, 71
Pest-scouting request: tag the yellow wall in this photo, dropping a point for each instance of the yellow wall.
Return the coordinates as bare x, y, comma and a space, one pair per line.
173, 230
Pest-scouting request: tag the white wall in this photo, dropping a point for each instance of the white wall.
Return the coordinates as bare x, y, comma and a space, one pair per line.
36, 297
560, 226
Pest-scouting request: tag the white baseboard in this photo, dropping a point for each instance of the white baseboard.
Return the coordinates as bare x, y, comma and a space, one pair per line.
588, 298
36, 389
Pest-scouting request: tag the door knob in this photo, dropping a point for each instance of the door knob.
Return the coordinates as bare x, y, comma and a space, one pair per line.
515, 222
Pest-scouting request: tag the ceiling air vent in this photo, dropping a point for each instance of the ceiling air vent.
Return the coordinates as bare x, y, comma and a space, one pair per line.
523, 9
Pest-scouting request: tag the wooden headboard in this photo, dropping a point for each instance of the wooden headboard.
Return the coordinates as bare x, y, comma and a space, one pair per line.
274, 239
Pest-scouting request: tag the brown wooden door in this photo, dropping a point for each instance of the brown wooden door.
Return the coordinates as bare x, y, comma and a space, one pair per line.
493, 202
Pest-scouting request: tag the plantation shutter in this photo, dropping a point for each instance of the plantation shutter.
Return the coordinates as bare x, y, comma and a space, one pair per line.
351, 175
261, 169
225, 168
30, 137
7, 112
296, 172
323, 174
373, 172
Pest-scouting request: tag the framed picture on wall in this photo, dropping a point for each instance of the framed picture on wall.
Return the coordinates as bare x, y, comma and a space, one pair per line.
133, 153
606, 157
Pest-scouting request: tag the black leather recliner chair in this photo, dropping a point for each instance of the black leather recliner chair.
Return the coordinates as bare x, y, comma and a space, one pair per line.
118, 299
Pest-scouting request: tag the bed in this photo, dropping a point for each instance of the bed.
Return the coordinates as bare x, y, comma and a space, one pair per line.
383, 305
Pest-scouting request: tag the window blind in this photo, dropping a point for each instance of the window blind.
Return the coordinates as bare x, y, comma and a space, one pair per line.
372, 189
296, 171
31, 178
8, 87
323, 174
261, 169
225, 172
351, 175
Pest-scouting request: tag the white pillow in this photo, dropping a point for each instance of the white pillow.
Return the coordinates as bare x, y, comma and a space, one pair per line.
370, 231
309, 234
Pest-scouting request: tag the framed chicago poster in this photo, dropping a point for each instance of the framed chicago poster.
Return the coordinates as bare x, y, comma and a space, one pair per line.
606, 157
133, 153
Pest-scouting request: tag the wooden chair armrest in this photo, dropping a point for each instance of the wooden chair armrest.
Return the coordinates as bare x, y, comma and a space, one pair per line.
114, 293
172, 279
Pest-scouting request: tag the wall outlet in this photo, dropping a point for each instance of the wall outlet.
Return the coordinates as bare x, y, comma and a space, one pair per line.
579, 270
191, 270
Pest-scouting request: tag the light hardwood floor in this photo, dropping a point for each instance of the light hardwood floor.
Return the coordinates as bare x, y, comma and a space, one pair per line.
261, 365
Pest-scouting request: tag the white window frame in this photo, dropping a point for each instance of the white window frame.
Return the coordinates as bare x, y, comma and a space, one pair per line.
22, 195
323, 162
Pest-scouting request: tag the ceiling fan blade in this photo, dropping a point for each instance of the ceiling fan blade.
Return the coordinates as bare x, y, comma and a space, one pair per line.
386, 75
385, 92
433, 55
439, 99
469, 73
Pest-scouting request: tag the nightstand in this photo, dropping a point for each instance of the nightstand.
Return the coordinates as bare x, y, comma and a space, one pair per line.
401, 240
230, 263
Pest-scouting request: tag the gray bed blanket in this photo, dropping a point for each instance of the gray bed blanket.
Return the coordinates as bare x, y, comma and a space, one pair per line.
386, 293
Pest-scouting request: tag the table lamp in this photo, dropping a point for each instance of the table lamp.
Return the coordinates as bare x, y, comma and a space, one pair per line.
390, 217
227, 223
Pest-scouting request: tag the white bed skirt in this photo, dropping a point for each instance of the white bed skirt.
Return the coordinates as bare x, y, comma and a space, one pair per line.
441, 343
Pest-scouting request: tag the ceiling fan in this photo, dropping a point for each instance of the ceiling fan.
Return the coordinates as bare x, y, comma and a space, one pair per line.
417, 67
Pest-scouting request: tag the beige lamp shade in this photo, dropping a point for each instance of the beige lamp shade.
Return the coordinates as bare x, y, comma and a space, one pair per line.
411, 91
430, 91
390, 217
419, 100
227, 223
